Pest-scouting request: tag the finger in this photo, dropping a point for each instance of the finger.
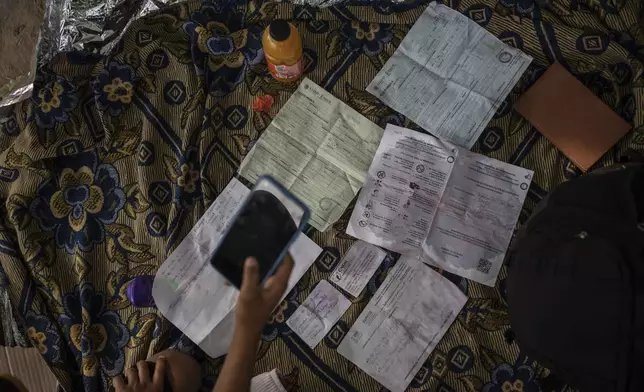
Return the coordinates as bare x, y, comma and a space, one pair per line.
277, 284
132, 376
250, 281
144, 372
159, 374
118, 383
283, 272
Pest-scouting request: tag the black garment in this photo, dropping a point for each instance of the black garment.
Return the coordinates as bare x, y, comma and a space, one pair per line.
576, 282
8, 385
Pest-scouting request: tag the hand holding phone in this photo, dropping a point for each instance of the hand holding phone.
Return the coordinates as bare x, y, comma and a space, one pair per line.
256, 302
263, 229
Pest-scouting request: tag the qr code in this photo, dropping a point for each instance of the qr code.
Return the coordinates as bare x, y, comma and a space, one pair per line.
484, 266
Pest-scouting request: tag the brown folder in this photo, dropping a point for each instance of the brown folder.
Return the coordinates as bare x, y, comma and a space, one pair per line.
571, 117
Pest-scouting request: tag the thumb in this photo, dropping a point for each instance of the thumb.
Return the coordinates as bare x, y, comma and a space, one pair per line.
250, 280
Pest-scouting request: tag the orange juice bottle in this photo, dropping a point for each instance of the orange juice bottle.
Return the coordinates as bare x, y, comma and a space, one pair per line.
283, 50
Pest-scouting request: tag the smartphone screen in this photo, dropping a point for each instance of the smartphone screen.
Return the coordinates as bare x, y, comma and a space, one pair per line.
263, 228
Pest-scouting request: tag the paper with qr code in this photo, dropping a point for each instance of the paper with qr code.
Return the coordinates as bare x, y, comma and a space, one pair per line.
455, 208
473, 226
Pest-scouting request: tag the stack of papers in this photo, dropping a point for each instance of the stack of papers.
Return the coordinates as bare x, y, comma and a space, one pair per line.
427, 197
318, 148
449, 75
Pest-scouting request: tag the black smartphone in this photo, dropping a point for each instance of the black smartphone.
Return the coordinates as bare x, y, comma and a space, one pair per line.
264, 227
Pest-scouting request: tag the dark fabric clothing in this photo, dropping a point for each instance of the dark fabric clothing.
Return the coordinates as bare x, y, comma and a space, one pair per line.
576, 282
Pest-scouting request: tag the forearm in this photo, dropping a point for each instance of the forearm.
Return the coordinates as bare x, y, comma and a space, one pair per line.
254, 306
238, 368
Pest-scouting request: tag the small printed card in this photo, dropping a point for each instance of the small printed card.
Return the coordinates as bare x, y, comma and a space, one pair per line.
357, 266
319, 313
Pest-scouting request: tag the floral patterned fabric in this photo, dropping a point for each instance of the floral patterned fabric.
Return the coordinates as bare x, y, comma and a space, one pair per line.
115, 158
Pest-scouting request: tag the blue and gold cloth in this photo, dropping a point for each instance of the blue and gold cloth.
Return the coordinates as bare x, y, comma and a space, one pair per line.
114, 158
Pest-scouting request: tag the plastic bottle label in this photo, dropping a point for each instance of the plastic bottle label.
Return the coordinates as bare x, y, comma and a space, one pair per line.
286, 71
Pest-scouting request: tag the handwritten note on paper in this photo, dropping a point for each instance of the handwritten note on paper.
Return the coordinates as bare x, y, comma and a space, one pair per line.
357, 267
403, 322
319, 312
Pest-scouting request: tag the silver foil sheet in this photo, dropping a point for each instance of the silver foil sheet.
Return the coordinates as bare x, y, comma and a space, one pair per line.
90, 25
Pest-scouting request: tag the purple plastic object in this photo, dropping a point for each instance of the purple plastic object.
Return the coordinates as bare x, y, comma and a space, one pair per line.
139, 292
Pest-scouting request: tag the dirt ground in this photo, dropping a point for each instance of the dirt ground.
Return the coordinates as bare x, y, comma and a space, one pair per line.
20, 22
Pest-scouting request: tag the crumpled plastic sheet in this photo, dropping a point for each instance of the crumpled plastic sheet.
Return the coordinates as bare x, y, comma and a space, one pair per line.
17, 94
11, 335
97, 25
90, 25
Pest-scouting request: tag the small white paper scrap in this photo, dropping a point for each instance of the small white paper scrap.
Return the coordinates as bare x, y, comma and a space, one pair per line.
267, 382
318, 313
357, 267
